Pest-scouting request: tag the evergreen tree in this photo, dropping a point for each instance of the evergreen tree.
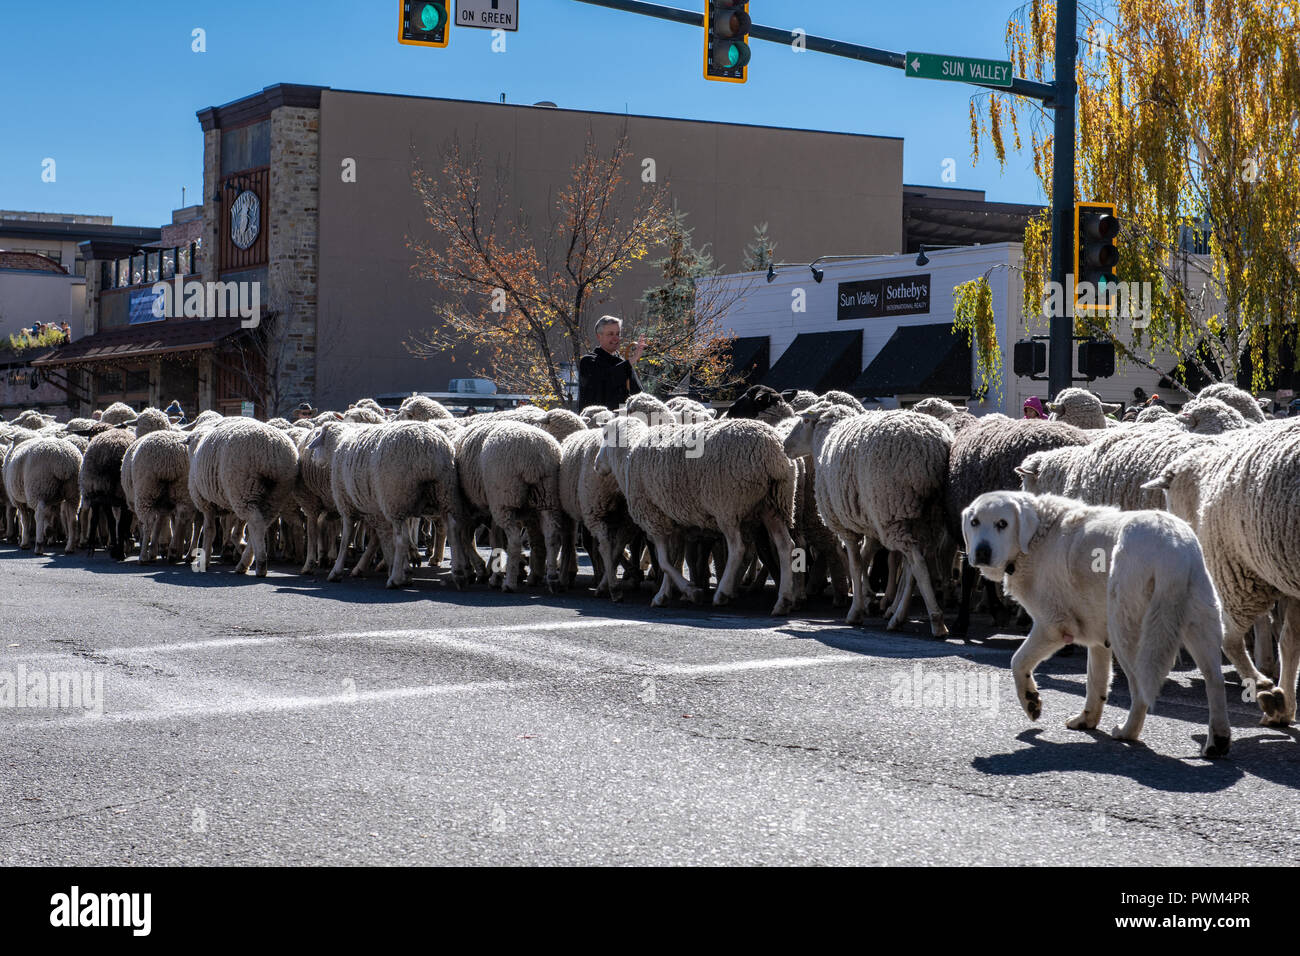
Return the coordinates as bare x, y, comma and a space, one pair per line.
760, 253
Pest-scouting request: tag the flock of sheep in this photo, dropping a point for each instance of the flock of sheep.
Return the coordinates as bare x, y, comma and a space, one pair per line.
814, 492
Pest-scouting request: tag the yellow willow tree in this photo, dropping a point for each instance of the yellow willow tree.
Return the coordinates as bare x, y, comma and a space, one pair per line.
526, 293
1189, 121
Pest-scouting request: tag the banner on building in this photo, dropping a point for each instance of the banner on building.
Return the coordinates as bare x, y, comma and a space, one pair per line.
872, 298
142, 306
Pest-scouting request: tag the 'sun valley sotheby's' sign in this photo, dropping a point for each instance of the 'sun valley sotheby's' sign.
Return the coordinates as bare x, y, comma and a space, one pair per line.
870, 298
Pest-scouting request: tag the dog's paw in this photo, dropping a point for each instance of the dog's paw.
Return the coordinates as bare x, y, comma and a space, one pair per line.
1216, 745
1083, 721
1122, 733
1271, 702
1033, 704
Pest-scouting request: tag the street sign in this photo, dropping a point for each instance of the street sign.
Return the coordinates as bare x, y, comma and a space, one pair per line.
959, 69
488, 14
246, 409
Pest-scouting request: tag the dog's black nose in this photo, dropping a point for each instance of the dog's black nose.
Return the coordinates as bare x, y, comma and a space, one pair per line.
983, 554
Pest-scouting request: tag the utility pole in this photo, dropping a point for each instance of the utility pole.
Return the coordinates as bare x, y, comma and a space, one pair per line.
1058, 95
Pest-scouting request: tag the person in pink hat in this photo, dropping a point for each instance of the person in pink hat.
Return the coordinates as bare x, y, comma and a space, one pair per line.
1034, 407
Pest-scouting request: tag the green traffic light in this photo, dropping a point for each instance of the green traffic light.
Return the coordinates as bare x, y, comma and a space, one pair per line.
733, 55
429, 17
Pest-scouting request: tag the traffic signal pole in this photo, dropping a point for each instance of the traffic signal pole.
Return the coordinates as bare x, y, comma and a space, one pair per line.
1060, 363
1059, 95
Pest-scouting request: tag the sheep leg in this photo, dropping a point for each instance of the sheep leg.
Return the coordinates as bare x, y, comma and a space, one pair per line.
895, 576
312, 544
670, 575
735, 557
857, 579
553, 540
537, 556
336, 572
461, 543
783, 545
398, 571
510, 523
921, 571
498, 565
602, 561
438, 542
897, 611
42, 524
1264, 645
363, 563
1279, 704
69, 511
1234, 647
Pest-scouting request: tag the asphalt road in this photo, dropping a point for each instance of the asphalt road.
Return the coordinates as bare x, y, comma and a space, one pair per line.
291, 721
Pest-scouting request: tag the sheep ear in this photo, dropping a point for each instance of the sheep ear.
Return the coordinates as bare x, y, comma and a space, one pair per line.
1110, 407
1159, 484
1027, 471
1052, 407
1026, 520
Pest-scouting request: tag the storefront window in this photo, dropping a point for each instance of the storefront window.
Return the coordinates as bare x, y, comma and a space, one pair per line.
183, 260
168, 263
137, 268
151, 266
123, 273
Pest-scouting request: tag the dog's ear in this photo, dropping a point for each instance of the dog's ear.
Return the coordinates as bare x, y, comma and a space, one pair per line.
1026, 520
965, 526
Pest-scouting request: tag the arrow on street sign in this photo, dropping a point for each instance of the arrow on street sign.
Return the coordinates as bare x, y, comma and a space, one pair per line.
958, 69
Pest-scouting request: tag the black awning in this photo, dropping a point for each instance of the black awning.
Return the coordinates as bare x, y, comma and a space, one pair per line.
818, 362
748, 358
919, 360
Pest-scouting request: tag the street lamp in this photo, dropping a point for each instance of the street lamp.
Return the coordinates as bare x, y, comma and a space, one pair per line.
819, 274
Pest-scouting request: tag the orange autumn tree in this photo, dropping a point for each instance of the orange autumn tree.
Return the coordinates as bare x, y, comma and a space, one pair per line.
527, 296
1189, 121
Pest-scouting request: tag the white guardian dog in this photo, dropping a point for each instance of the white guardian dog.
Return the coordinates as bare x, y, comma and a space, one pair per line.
1129, 582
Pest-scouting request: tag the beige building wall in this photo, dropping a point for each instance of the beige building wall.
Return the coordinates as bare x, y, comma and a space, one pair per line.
820, 193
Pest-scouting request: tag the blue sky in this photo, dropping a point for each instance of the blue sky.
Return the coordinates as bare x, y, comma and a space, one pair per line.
110, 91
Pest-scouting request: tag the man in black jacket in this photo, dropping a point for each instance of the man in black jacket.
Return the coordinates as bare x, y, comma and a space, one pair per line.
603, 377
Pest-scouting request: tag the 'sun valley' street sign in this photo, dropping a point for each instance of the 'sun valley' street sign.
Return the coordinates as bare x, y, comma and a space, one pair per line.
960, 69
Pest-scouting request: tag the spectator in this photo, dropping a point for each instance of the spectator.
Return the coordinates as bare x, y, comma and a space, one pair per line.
176, 413
67, 332
604, 378
304, 411
1033, 407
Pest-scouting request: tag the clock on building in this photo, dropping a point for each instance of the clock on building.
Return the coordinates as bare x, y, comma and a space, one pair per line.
245, 219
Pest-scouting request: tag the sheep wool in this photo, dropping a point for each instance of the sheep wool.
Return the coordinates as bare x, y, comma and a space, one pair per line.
1240, 497
1234, 397
160, 469
1211, 416
1081, 408
880, 480
247, 468
718, 477
41, 480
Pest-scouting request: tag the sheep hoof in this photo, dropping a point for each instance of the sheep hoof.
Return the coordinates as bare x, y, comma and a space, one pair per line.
855, 617
720, 598
261, 569
782, 608
698, 596
617, 595
874, 609
459, 580
334, 576
892, 625
658, 601
938, 628
553, 584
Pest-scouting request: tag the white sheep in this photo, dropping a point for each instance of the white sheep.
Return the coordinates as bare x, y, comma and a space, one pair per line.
41, 477
880, 480
592, 500
1111, 470
509, 471
1081, 408
1240, 497
1211, 416
100, 480
390, 476
421, 408
1243, 402
245, 468
717, 477
160, 492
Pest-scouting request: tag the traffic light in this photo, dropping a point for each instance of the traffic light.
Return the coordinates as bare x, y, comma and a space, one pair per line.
422, 22
726, 28
1029, 358
1095, 255
1096, 359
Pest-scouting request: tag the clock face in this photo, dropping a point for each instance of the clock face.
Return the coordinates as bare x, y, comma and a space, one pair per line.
245, 219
